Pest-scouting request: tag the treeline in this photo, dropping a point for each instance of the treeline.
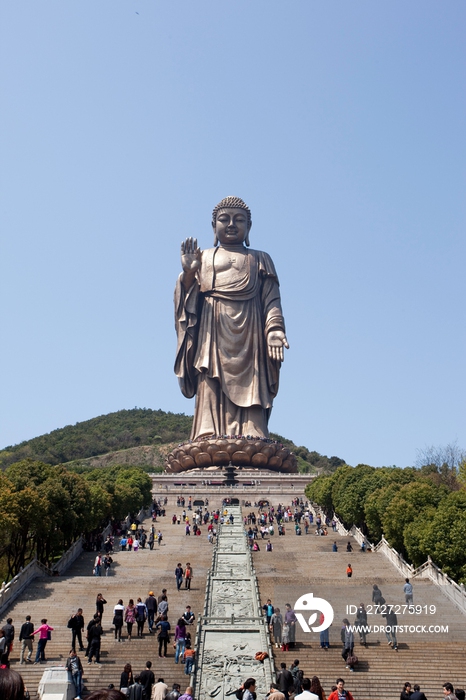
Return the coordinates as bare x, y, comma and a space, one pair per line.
128, 429
114, 431
421, 512
44, 508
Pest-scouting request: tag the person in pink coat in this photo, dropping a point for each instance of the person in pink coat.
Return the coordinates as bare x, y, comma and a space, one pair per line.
44, 635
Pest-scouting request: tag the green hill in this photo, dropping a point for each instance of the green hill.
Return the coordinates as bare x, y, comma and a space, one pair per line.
115, 431
139, 436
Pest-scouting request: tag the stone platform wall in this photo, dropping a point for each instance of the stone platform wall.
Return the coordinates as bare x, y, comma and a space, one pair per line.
253, 485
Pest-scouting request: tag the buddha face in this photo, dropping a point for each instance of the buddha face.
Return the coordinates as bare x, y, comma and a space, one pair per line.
231, 226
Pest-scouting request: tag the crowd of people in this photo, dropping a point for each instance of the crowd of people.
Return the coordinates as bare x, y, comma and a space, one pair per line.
129, 620
152, 615
292, 684
269, 520
136, 687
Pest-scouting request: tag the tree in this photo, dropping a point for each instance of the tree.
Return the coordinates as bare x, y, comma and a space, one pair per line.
99, 508
450, 454
390, 481
441, 463
350, 490
9, 514
133, 490
442, 535
375, 507
129, 488
407, 504
462, 472
415, 533
320, 491
50, 506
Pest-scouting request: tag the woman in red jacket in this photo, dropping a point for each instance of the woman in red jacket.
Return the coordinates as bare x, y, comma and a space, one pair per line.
340, 693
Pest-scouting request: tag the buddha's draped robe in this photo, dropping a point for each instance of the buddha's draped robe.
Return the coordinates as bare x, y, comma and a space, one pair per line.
222, 323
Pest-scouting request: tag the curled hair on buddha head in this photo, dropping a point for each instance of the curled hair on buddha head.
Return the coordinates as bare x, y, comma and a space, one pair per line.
236, 203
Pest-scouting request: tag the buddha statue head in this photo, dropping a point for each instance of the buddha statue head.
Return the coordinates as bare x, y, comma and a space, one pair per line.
231, 221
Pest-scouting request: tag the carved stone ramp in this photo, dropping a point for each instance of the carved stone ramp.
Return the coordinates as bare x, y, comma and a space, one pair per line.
232, 628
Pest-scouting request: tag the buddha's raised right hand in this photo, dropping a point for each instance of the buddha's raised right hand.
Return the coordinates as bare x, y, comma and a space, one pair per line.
190, 255
190, 261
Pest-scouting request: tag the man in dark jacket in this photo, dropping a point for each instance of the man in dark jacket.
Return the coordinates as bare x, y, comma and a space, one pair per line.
448, 693
147, 680
390, 627
89, 627
136, 690
151, 605
96, 633
76, 625
285, 681
164, 627
174, 693
297, 676
418, 694
268, 610
9, 632
26, 639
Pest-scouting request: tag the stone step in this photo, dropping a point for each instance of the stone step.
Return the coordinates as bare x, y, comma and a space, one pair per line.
306, 563
296, 565
133, 574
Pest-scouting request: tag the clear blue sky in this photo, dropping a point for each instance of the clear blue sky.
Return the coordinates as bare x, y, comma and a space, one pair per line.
341, 124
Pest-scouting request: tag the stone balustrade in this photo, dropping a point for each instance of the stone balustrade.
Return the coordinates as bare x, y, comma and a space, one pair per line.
455, 592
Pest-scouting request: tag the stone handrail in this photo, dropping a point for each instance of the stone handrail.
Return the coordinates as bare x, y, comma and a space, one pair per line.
455, 592
395, 557
143, 513
68, 558
9, 591
237, 488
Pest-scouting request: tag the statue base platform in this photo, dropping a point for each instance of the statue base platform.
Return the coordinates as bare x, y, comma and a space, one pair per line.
260, 453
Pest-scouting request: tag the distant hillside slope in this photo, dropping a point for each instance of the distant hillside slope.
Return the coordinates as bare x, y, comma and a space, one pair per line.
139, 436
109, 433
151, 458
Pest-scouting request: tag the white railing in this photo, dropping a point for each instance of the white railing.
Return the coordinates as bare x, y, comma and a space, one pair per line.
68, 558
143, 513
455, 592
9, 591
237, 488
395, 558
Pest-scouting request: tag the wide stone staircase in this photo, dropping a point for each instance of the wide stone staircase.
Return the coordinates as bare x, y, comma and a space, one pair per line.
306, 564
297, 565
133, 575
